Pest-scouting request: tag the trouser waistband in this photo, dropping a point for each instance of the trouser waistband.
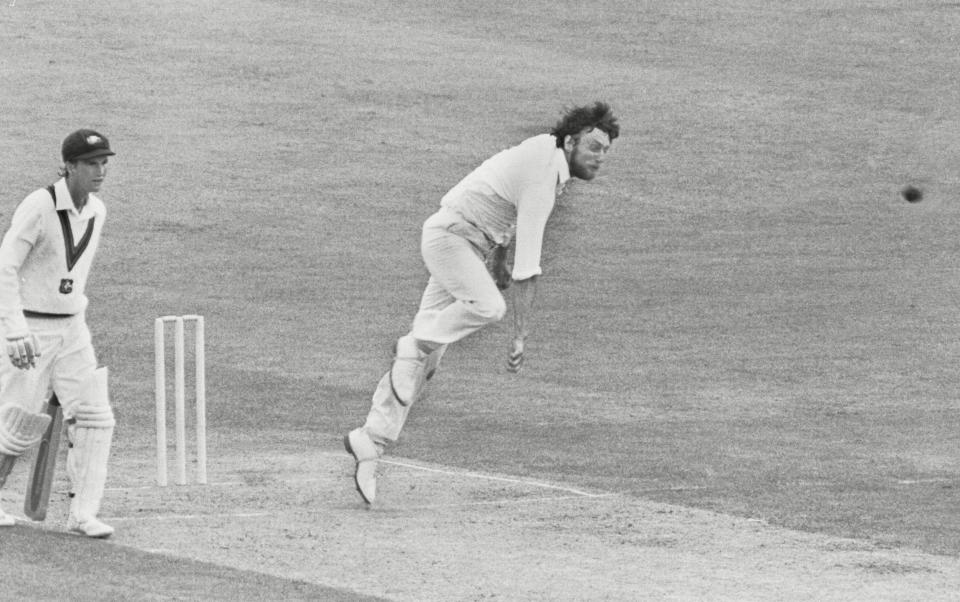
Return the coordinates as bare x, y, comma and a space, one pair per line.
40, 314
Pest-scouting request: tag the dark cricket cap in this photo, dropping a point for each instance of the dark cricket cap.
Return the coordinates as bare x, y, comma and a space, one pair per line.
85, 144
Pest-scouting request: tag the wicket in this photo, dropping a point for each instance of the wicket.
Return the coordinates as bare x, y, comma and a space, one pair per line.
180, 397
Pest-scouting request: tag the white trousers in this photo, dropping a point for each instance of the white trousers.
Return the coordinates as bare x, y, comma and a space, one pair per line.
65, 366
68, 366
461, 297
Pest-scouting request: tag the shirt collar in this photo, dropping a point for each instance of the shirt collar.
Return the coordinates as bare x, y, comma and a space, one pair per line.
563, 170
65, 201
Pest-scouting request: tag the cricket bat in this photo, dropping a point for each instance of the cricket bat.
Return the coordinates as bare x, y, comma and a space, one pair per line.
6, 465
41, 477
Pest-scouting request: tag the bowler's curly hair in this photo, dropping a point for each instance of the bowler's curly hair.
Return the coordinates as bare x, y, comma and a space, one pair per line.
598, 116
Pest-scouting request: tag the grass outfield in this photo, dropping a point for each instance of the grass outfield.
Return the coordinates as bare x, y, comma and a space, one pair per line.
739, 315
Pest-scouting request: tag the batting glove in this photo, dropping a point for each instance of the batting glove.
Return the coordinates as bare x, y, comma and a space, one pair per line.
23, 351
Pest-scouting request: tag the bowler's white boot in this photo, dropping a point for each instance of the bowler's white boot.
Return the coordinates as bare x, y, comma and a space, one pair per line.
359, 444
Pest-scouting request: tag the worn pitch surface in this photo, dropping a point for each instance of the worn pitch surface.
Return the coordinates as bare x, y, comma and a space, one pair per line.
742, 380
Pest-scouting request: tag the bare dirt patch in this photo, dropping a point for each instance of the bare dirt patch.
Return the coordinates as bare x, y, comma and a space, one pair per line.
441, 533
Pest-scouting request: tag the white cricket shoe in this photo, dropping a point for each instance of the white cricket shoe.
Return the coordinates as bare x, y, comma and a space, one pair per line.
359, 444
407, 372
6, 520
91, 527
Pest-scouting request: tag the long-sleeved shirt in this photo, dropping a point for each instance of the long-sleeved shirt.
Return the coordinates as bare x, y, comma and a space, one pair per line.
46, 255
512, 194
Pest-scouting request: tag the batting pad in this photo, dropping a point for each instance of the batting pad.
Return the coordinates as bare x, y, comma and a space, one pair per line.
94, 410
87, 468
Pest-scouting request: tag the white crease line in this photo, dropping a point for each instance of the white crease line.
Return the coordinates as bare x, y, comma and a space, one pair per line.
501, 502
477, 475
41, 524
675, 488
921, 481
454, 473
177, 487
185, 516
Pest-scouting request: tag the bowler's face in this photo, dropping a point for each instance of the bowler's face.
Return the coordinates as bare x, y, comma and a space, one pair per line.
587, 152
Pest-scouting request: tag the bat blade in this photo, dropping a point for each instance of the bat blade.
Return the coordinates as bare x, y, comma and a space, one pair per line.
41, 477
6, 465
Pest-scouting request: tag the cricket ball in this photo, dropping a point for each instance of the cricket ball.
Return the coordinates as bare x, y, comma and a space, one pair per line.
911, 194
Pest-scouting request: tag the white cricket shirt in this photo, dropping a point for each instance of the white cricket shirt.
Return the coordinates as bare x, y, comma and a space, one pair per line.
46, 255
513, 193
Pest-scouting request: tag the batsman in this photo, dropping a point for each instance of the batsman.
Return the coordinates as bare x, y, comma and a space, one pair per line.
504, 202
45, 260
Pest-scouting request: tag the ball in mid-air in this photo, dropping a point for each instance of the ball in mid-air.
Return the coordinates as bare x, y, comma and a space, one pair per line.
911, 194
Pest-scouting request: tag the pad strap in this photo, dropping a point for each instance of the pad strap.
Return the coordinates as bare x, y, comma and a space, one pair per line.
94, 417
